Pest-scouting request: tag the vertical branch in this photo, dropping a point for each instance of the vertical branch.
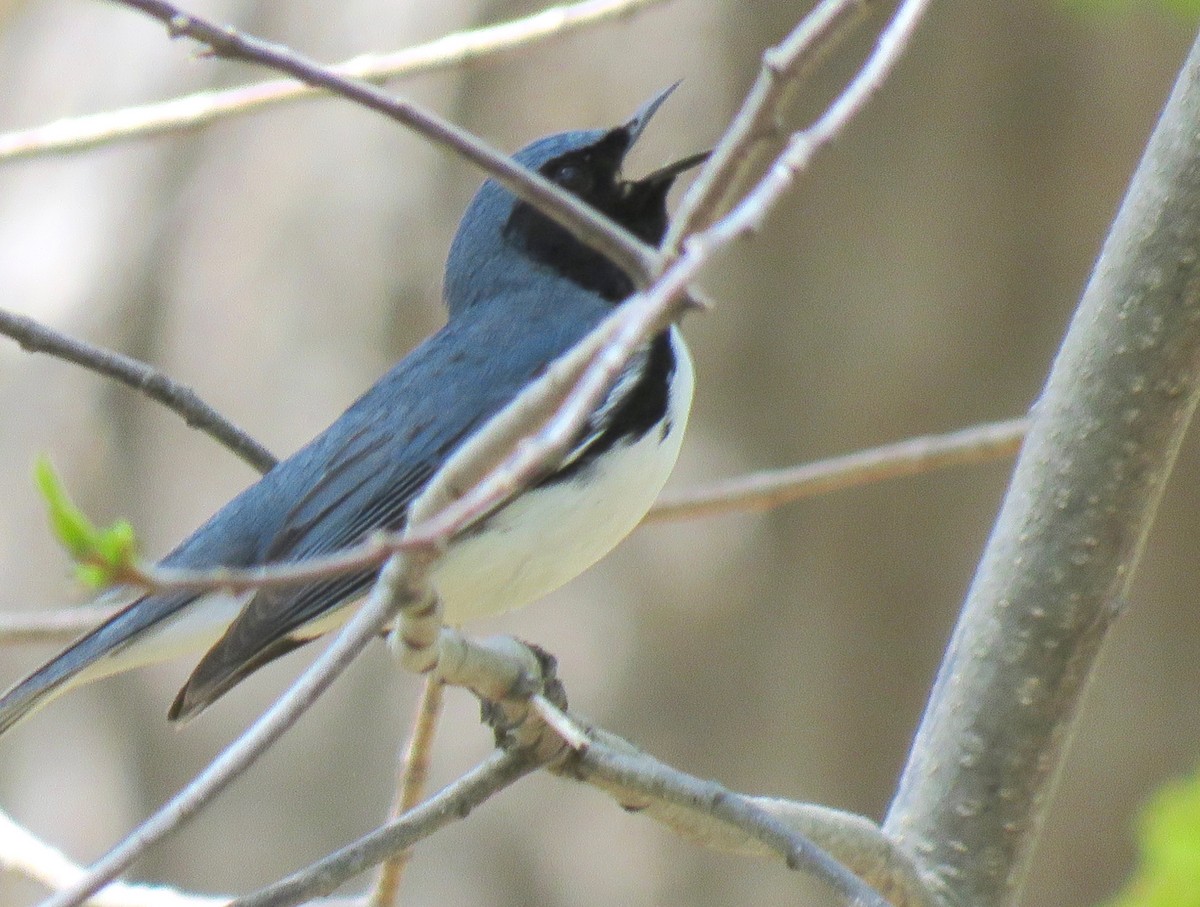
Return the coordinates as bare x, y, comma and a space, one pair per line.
410, 789
1056, 570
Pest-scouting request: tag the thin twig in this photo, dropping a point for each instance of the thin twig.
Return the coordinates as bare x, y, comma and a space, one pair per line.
609, 767
414, 777
498, 771
803, 145
560, 402
657, 306
669, 785
399, 582
622, 334
182, 400
783, 69
58, 626
614, 340
23, 854
913, 456
77, 134
569, 731
580, 219
617, 338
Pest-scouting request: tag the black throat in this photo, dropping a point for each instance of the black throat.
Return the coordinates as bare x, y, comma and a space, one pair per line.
541, 240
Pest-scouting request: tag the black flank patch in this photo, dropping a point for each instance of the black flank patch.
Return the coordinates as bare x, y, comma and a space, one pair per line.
644, 407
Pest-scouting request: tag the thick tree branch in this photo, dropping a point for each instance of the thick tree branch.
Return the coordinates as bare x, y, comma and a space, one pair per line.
671, 788
700, 810
856, 842
182, 400
1059, 564
94, 130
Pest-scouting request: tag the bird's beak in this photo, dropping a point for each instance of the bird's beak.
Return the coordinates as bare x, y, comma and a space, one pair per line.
637, 124
668, 173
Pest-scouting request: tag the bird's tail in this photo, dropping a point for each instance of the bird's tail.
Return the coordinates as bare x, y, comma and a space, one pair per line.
149, 630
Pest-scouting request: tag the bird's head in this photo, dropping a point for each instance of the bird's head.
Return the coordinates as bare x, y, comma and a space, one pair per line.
498, 226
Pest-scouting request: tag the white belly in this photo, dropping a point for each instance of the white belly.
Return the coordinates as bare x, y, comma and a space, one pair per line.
550, 535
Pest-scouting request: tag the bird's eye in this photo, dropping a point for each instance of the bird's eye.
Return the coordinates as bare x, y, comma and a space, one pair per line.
573, 177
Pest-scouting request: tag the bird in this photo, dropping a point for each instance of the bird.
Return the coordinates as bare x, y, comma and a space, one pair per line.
519, 291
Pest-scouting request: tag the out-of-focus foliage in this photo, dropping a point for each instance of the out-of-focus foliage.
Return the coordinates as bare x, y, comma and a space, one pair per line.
1186, 8
1169, 844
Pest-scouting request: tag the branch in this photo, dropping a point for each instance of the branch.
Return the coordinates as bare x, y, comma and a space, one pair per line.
1058, 566
668, 786
783, 69
856, 842
182, 400
401, 584
604, 351
410, 788
25, 855
420, 544
645, 314
590, 227
647, 784
454, 802
83, 133
910, 457
51, 626
803, 146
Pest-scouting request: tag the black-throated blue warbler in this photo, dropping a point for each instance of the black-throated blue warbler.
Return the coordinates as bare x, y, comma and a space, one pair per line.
520, 291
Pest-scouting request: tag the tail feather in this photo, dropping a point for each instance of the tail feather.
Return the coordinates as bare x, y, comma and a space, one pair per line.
148, 630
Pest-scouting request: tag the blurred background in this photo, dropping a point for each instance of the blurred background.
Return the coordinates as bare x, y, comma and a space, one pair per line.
917, 280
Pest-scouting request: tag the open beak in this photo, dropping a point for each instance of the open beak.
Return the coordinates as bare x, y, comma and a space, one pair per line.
668, 173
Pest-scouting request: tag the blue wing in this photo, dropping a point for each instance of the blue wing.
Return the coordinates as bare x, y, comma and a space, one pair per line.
361, 474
